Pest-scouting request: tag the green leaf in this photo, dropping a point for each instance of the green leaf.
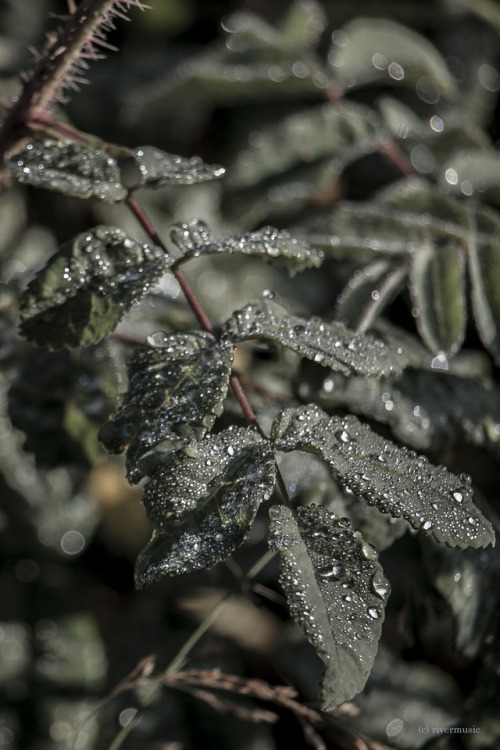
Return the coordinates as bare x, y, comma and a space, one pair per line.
303, 24
472, 172
368, 291
329, 344
70, 168
177, 385
395, 480
329, 132
465, 579
87, 287
195, 239
158, 168
484, 270
374, 50
437, 287
425, 412
202, 501
336, 592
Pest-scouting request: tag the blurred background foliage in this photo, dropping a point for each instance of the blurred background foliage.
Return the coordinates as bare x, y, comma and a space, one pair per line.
240, 83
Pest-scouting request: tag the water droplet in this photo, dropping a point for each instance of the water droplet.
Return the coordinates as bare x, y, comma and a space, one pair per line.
374, 613
457, 496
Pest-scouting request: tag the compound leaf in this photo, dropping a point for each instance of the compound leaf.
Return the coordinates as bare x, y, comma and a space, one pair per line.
87, 287
437, 287
68, 167
329, 344
278, 246
369, 50
177, 385
158, 168
395, 480
202, 501
336, 592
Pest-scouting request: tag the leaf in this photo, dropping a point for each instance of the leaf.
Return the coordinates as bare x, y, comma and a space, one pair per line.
329, 344
195, 239
202, 501
465, 580
303, 24
395, 480
484, 270
158, 168
374, 50
437, 287
336, 592
472, 171
331, 132
369, 290
70, 168
87, 287
177, 385
425, 412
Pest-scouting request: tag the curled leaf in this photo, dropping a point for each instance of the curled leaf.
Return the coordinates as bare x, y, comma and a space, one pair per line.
397, 481
202, 501
336, 593
329, 344
87, 287
177, 385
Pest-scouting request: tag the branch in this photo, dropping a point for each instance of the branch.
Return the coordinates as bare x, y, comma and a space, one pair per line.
65, 54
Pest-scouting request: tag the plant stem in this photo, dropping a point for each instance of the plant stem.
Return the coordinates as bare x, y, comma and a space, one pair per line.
205, 323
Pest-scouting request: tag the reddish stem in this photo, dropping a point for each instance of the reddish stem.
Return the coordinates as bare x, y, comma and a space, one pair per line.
205, 323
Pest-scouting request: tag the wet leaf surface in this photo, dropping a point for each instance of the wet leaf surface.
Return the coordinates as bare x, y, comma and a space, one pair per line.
177, 385
158, 168
329, 344
195, 239
336, 593
202, 501
87, 287
395, 480
70, 168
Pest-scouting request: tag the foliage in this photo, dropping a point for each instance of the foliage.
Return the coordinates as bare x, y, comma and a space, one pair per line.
269, 412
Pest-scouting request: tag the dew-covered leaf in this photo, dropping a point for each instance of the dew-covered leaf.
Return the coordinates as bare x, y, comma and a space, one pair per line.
277, 246
336, 593
425, 412
157, 168
87, 287
484, 270
374, 50
68, 167
395, 480
339, 134
400, 219
177, 385
202, 501
437, 287
329, 344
